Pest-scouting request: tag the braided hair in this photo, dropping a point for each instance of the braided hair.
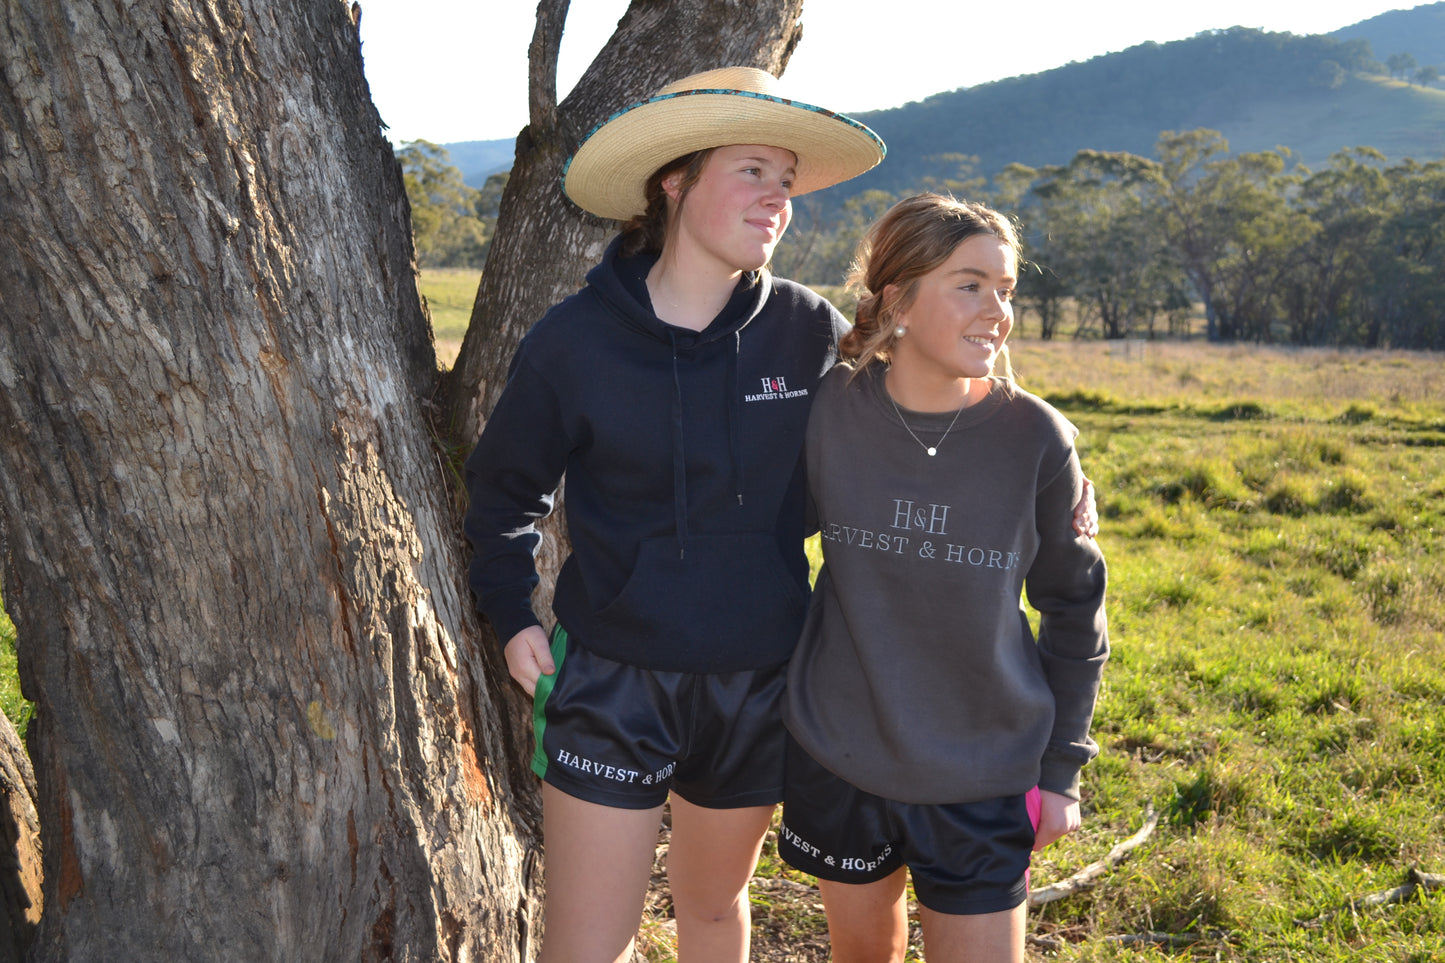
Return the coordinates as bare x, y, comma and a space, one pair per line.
646, 232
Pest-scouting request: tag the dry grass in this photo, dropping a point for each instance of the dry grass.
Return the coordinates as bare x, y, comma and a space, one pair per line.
1196, 373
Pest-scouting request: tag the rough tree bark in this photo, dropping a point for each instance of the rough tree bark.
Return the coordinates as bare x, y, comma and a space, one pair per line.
268, 724
229, 555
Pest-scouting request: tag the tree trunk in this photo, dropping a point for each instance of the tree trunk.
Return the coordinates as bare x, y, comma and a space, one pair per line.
269, 726
265, 729
20, 860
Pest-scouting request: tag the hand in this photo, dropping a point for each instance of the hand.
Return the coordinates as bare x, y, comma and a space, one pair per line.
1086, 513
529, 657
1058, 816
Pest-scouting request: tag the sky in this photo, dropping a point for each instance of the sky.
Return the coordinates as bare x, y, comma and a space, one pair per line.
456, 70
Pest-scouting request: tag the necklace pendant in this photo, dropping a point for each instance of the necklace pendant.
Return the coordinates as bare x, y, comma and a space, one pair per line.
931, 451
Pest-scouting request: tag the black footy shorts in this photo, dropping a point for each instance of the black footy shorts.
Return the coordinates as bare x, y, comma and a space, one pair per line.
966, 858
622, 736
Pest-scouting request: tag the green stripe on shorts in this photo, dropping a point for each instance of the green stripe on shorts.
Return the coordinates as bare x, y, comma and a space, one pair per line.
539, 700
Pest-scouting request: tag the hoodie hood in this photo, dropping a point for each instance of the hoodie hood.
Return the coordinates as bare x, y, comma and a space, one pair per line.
621, 284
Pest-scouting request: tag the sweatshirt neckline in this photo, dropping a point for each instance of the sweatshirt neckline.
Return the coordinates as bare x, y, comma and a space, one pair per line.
974, 414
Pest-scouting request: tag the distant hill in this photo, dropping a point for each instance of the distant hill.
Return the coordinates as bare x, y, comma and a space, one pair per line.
480, 159
1315, 95
1419, 32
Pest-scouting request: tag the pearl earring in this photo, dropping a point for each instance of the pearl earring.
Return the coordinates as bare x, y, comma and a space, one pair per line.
899, 331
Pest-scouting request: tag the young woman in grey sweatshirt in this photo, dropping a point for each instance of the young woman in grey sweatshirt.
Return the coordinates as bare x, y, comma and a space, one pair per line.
933, 731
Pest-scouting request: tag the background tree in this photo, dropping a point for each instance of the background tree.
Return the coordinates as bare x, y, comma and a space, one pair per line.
1258, 231
818, 249
958, 176
489, 202
1328, 75
1104, 238
1188, 210
1230, 227
445, 222
268, 724
1400, 64
1404, 306
1042, 290
1345, 205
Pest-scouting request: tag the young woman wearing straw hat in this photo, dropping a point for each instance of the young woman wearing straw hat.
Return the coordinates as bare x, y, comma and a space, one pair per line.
673, 392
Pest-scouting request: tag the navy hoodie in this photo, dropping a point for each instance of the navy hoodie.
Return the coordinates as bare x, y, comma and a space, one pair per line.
685, 483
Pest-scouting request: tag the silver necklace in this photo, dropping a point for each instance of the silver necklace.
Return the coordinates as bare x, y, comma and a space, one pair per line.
933, 450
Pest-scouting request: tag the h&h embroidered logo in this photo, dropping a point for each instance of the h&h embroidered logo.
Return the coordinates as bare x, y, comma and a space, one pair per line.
775, 387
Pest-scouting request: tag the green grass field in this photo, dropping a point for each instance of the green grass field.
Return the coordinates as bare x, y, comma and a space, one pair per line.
1273, 522
449, 293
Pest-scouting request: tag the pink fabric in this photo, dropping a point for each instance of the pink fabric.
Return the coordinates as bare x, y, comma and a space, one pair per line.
1034, 802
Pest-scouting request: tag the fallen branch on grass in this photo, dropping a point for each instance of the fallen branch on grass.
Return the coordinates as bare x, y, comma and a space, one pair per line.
1165, 939
1046, 943
782, 882
1415, 881
1085, 877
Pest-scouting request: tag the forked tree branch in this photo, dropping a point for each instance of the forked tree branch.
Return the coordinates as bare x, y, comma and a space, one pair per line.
542, 63
1085, 877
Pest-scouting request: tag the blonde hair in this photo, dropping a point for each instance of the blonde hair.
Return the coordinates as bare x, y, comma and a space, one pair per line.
916, 235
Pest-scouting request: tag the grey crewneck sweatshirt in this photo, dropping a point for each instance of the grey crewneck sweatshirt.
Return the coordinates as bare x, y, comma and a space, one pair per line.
917, 677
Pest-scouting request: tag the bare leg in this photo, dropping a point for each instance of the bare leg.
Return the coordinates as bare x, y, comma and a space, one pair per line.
598, 863
867, 922
709, 863
988, 938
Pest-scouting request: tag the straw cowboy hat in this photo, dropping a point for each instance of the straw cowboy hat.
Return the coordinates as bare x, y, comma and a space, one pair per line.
731, 105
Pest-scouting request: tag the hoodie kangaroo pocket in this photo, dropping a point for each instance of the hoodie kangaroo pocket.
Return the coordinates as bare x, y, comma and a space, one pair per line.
727, 604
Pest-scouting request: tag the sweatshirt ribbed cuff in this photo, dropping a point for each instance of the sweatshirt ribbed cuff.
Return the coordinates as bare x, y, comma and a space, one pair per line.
1060, 776
507, 620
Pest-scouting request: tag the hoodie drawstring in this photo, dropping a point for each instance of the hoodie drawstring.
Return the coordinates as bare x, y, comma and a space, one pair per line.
759, 286
735, 415
679, 453
679, 459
